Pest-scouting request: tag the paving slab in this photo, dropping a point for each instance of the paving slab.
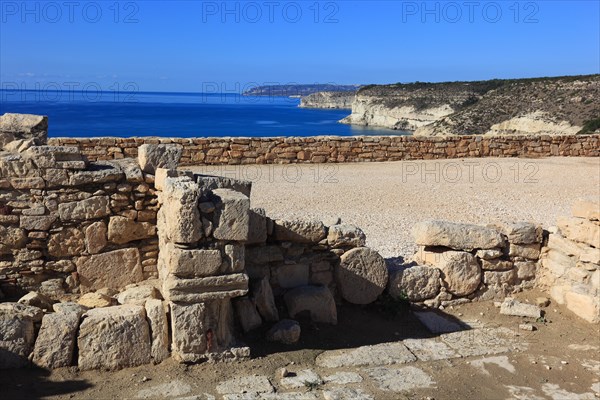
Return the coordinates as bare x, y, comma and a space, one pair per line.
246, 384
400, 379
346, 394
379, 354
485, 341
300, 379
343, 378
500, 361
166, 390
430, 349
273, 396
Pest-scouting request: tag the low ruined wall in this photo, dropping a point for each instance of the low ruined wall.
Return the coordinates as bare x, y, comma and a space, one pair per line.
463, 262
327, 149
571, 261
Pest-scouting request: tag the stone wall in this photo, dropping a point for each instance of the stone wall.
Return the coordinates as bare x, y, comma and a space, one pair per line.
571, 261
461, 262
325, 149
68, 226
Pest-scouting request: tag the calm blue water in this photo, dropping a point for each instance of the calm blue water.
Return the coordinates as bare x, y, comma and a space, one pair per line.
84, 114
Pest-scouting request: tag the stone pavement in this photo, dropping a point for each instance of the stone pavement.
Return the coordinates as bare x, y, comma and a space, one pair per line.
389, 371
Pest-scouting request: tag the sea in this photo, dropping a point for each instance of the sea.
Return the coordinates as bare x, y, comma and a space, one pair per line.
134, 114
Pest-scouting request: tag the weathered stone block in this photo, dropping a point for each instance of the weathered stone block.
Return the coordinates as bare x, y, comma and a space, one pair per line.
262, 295
232, 216
23, 126
113, 338
12, 237
153, 156
416, 283
236, 257
115, 270
138, 295
96, 237
513, 307
460, 270
291, 275
159, 328
56, 340
264, 254
200, 329
344, 235
193, 263
37, 223
98, 172
456, 236
257, 232
286, 331
317, 300
580, 230
179, 214
587, 209
521, 232
529, 251
205, 289
16, 337
68, 242
299, 230
123, 230
496, 265
247, 314
92, 208
361, 275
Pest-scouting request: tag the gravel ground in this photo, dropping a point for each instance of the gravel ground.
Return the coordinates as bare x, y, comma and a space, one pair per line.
387, 199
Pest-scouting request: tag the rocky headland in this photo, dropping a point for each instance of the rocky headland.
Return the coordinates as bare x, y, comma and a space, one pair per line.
560, 105
337, 100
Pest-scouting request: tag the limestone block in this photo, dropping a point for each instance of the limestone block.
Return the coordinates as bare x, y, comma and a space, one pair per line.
587, 209
36, 300
97, 172
200, 329
184, 263
257, 232
580, 230
123, 230
232, 215
205, 289
299, 231
344, 235
68, 242
114, 337
456, 236
12, 237
361, 275
530, 251
586, 306
291, 275
236, 257
317, 300
262, 296
286, 331
513, 307
496, 265
500, 278
114, 269
247, 314
37, 223
96, 237
56, 340
526, 269
557, 263
179, 214
92, 208
460, 271
16, 334
264, 254
210, 183
95, 300
416, 283
138, 295
159, 329
64, 157
23, 126
521, 232
153, 156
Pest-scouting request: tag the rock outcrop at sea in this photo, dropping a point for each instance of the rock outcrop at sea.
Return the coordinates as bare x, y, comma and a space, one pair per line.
538, 106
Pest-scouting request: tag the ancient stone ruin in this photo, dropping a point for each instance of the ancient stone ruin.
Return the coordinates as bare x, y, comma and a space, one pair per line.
128, 262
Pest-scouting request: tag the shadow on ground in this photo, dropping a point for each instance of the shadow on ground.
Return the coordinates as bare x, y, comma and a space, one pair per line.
33, 383
386, 320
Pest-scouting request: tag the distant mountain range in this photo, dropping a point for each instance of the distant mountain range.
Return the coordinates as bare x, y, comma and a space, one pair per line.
299, 90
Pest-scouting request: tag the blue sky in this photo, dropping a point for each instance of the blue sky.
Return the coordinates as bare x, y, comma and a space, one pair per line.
188, 46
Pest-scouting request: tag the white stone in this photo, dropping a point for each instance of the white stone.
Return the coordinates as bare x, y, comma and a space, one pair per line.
456, 236
380, 354
361, 276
